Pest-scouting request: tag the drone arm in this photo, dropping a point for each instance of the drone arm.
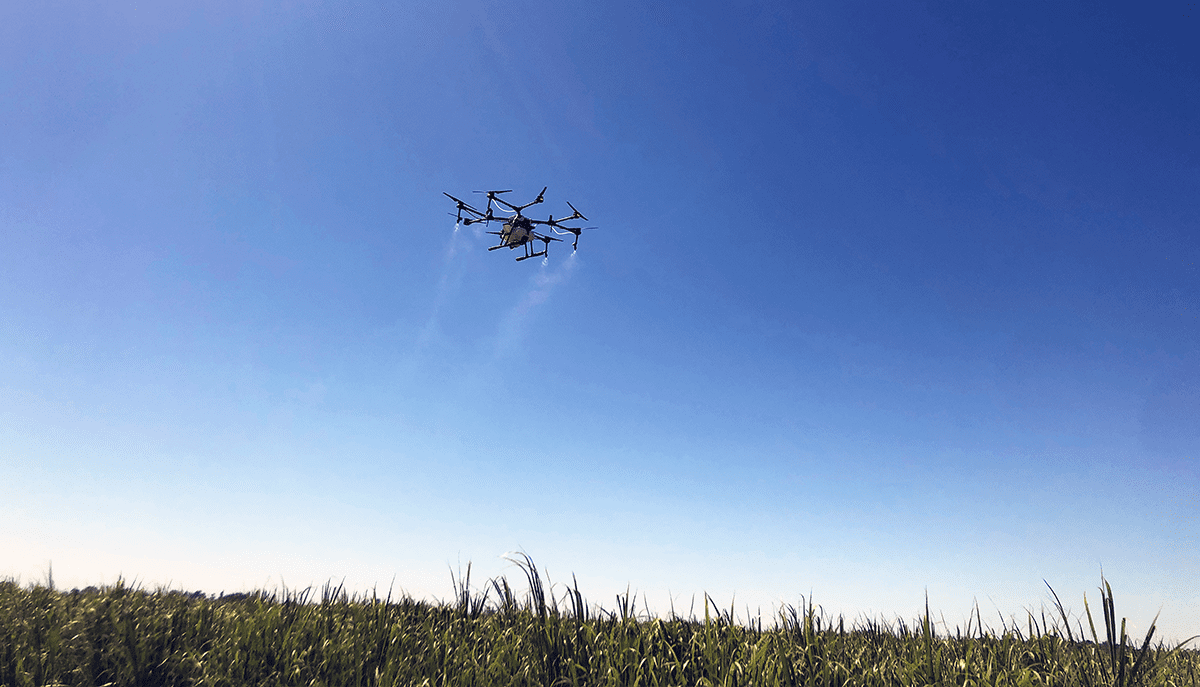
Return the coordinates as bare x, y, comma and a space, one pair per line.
501, 201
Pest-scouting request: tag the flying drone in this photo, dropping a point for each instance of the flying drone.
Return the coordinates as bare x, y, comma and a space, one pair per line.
519, 230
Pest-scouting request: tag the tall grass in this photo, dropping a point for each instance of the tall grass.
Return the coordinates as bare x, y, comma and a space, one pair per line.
120, 635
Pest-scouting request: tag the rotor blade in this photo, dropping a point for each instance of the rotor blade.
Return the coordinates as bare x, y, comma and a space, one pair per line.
463, 206
576, 211
456, 200
460, 202
494, 192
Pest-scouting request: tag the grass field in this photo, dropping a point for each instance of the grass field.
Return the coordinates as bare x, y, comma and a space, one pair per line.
118, 636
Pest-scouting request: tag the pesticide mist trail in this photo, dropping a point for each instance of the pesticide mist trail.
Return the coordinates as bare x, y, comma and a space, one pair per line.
510, 331
451, 277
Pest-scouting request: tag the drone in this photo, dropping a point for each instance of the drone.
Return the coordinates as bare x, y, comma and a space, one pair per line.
519, 230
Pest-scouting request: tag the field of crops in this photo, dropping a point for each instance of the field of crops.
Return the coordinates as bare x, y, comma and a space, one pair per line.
122, 636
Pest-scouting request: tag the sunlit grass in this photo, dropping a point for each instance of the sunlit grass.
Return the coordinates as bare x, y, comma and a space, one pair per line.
120, 636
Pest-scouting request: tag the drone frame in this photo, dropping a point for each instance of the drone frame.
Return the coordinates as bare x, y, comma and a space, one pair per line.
519, 221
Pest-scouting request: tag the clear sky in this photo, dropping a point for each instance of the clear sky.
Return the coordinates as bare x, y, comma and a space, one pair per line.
886, 299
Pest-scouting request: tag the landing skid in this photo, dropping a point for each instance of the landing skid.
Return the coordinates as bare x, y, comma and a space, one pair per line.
534, 255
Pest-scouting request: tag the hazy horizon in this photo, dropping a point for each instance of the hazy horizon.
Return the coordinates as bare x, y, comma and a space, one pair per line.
1046, 616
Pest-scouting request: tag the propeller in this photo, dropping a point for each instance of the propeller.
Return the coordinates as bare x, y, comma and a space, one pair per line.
460, 205
577, 212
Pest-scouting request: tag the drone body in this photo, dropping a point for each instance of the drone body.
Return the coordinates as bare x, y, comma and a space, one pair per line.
519, 230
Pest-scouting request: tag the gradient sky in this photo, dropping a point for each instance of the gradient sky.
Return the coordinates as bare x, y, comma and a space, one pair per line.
886, 299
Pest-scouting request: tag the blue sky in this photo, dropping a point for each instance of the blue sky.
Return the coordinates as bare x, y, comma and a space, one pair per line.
884, 300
